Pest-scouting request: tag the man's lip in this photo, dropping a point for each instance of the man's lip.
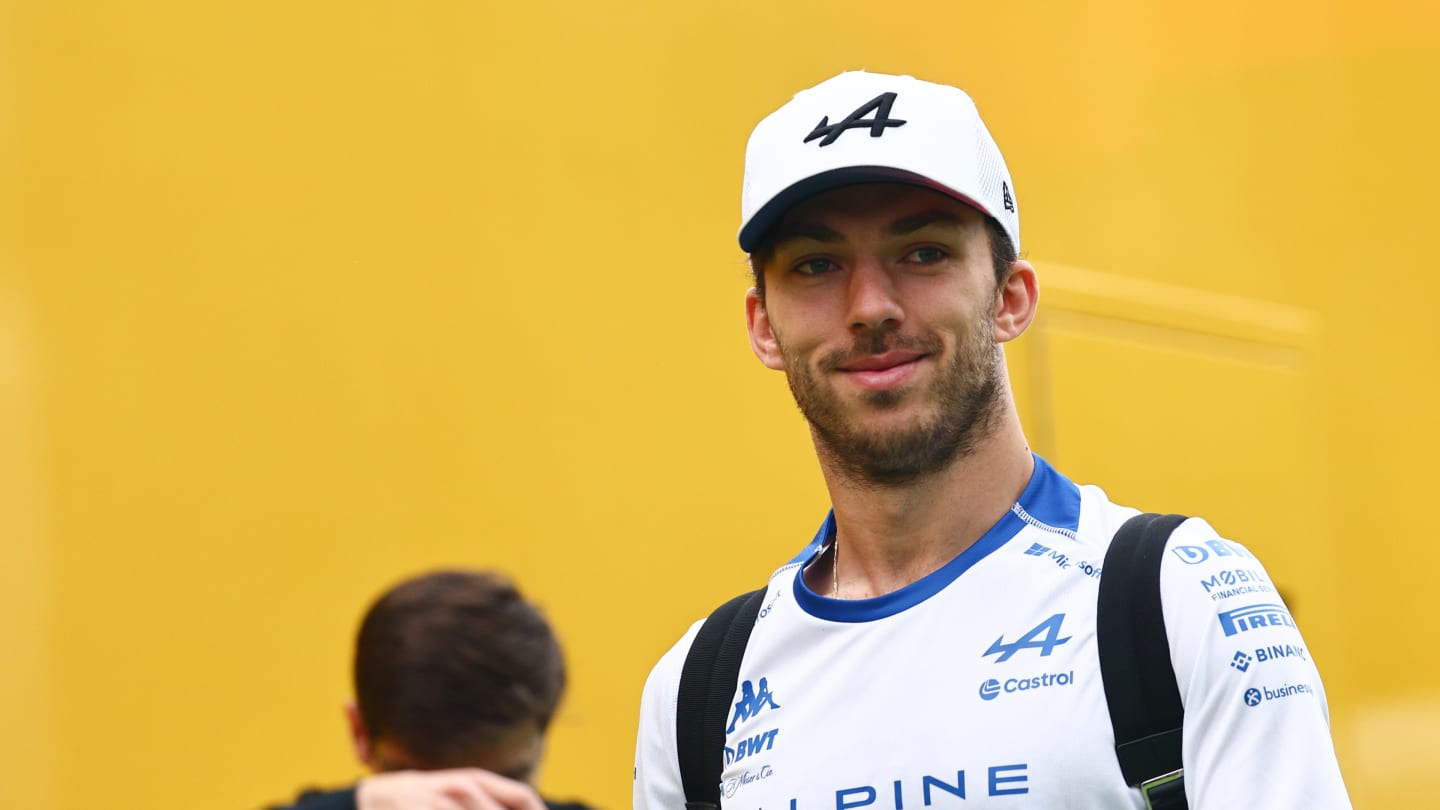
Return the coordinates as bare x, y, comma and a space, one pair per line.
883, 372
880, 362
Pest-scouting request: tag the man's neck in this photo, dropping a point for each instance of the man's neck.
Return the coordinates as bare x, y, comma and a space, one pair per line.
889, 537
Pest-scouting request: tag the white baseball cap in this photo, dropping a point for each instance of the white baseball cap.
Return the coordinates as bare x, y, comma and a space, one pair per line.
863, 127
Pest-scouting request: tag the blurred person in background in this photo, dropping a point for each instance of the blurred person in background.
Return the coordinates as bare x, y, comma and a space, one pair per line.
457, 678
937, 640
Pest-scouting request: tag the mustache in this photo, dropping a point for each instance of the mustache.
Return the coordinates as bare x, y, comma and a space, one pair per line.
872, 343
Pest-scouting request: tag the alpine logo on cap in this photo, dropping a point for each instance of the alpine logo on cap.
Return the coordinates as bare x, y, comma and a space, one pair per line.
1008, 200
880, 105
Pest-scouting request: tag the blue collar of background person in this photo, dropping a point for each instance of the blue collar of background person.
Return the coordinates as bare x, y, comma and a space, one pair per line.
861, 127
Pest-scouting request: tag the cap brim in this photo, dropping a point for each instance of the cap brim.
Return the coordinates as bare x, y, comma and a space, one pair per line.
752, 233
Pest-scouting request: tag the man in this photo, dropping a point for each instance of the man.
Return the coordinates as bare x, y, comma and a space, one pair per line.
456, 680
924, 649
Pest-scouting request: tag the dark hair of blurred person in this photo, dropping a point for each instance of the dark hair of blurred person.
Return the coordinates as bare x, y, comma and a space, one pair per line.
457, 678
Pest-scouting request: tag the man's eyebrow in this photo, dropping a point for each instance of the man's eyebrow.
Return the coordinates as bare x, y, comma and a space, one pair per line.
818, 232
803, 230
908, 225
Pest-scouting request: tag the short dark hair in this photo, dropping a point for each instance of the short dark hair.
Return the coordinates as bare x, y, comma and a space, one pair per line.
1002, 255
452, 660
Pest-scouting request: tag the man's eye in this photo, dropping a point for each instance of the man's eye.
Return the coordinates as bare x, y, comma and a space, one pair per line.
814, 267
925, 255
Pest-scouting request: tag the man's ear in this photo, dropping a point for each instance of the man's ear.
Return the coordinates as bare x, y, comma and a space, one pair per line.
762, 332
360, 736
1015, 301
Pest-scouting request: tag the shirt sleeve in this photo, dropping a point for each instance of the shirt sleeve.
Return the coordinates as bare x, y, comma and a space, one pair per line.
657, 767
1257, 726
314, 799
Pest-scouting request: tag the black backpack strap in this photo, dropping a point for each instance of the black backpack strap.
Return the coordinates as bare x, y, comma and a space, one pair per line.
707, 683
1140, 688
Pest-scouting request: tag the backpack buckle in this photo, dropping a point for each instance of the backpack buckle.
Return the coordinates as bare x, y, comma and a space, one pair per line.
1165, 792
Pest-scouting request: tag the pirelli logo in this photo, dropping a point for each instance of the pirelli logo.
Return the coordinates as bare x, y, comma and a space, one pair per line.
1242, 620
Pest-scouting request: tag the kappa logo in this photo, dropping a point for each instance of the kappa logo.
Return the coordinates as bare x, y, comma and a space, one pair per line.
751, 703
1044, 637
880, 105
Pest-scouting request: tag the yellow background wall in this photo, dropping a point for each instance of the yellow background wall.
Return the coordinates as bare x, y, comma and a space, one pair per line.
299, 298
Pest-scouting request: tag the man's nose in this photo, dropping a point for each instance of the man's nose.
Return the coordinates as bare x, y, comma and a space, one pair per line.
874, 302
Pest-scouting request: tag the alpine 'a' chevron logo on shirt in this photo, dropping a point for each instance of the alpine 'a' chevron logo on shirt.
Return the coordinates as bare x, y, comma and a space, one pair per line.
1044, 637
751, 703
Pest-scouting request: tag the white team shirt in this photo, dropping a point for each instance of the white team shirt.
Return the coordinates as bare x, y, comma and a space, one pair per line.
979, 685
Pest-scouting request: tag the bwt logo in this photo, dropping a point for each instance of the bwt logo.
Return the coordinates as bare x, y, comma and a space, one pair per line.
1194, 555
749, 746
992, 688
1244, 619
751, 703
1044, 637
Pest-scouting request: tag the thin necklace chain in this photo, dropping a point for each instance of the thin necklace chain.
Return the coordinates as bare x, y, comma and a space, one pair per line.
835, 569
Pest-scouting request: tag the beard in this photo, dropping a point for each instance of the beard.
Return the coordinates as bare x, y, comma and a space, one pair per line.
966, 394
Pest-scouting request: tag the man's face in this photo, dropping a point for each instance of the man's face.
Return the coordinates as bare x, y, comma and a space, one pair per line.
880, 303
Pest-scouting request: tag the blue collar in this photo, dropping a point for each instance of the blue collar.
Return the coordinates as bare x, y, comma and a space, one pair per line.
1050, 501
